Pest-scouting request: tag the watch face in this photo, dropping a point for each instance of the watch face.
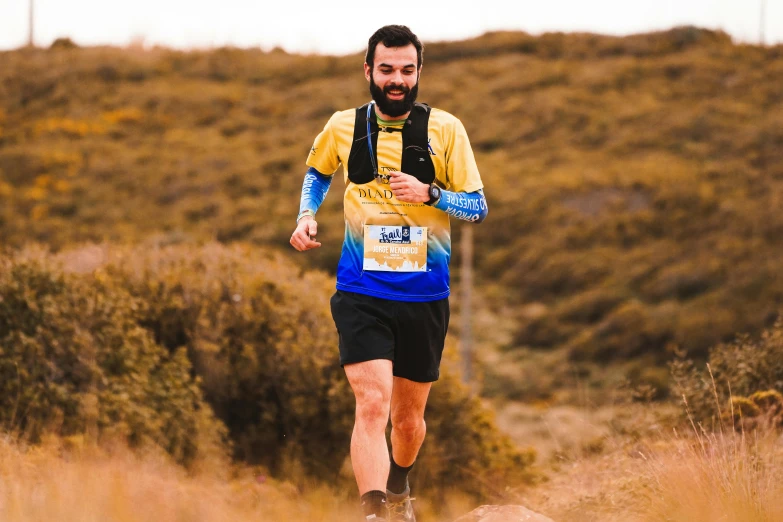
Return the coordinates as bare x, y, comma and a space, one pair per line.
434, 192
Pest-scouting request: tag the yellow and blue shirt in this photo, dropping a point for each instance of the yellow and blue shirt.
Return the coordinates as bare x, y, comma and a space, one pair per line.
393, 249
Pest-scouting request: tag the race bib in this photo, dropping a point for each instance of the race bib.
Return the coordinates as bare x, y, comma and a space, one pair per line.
395, 248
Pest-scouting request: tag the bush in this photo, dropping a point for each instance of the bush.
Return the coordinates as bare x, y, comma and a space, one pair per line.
260, 338
74, 359
63, 42
742, 379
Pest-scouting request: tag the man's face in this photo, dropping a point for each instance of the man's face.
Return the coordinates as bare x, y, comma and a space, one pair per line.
394, 79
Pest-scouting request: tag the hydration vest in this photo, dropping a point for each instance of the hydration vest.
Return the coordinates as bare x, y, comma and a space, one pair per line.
416, 159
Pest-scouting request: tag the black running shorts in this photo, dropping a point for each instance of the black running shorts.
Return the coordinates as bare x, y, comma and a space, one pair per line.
411, 335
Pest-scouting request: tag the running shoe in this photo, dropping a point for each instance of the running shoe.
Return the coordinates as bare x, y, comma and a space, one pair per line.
400, 506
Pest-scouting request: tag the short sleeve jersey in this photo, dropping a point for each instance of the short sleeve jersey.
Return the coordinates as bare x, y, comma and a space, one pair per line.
374, 204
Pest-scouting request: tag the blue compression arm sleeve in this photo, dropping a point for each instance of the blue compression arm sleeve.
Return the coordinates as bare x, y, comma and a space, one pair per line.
314, 190
468, 206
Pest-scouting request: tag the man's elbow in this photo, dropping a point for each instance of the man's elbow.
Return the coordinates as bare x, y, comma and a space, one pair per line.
481, 216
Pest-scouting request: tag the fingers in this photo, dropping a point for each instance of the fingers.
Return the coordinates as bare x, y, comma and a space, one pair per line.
405, 187
301, 242
302, 238
403, 193
400, 183
399, 177
406, 196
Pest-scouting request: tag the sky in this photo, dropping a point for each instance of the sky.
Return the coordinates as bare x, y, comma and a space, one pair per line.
343, 26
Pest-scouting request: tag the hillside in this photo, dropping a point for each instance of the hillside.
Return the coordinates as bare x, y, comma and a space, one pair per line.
634, 183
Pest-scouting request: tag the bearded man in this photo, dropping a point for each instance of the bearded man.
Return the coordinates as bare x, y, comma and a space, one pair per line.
407, 168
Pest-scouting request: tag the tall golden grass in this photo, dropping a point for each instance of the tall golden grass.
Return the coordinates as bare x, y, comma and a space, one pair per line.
86, 483
729, 476
668, 475
693, 477
47, 483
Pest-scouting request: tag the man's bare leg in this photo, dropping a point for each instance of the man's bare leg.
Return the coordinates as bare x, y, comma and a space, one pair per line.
371, 382
408, 402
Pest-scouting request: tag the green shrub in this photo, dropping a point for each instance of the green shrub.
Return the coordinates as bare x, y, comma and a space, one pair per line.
74, 359
63, 43
746, 373
261, 340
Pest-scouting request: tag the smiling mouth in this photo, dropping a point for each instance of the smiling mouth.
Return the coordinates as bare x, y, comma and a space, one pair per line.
395, 94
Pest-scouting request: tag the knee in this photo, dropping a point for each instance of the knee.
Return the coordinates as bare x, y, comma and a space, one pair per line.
410, 428
372, 410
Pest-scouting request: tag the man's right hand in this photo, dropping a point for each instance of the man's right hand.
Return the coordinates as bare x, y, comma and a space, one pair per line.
303, 237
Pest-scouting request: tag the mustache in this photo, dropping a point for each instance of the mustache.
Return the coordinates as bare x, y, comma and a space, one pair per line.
402, 87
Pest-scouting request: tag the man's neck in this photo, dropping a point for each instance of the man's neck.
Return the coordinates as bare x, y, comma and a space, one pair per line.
390, 119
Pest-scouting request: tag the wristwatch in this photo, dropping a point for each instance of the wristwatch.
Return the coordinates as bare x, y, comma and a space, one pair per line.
434, 194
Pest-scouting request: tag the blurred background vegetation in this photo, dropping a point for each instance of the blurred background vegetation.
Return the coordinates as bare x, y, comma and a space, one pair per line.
148, 289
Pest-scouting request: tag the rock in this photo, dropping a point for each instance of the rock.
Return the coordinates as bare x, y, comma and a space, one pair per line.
503, 514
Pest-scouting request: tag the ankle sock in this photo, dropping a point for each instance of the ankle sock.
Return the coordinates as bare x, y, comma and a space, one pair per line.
374, 503
398, 477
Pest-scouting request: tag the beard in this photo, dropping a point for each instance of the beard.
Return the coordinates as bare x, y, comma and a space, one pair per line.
393, 107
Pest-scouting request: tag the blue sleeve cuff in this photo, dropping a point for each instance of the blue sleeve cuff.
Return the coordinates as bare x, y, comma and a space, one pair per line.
468, 206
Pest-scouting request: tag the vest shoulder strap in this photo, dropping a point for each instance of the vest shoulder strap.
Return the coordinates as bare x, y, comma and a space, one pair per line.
415, 159
360, 169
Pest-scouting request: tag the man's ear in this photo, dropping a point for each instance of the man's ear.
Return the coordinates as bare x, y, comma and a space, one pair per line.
367, 70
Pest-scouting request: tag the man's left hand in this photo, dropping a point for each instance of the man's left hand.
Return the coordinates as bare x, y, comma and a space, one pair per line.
408, 189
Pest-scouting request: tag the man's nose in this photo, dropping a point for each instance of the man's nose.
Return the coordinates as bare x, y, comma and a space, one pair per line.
396, 77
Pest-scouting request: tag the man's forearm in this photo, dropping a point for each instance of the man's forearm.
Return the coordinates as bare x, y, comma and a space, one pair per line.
468, 206
314, 189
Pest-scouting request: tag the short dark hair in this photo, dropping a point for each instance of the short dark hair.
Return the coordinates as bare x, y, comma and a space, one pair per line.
393, 36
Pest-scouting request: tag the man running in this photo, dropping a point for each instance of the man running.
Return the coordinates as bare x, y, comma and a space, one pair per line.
407, 168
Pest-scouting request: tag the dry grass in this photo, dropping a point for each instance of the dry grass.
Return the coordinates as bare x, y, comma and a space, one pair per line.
82, 483
679, 477
45, 483
726, 476
694, 477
